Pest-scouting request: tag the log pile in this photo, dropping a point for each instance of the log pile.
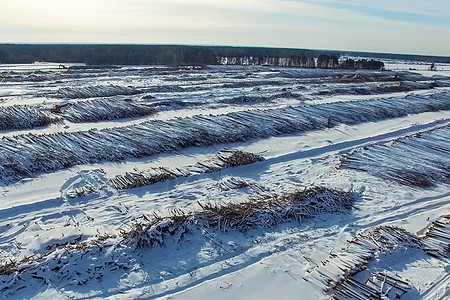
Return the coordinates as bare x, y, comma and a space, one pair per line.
255, 99
380, 285
353, 289
34, 76
81, 191
231, 183
106, 109
377, 88
91, 91
436, 241
31, 116
421, 160
336, 274
338, 268
49, 152
25, 117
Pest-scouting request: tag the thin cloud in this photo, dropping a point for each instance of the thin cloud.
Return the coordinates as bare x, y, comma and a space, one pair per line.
392, 12
320, 24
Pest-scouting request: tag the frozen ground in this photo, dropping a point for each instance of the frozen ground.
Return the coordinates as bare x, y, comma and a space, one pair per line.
379, 138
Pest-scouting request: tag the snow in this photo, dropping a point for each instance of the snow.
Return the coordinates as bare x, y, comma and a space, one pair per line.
37, 218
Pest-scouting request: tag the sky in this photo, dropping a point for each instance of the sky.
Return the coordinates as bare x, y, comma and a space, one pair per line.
400, 26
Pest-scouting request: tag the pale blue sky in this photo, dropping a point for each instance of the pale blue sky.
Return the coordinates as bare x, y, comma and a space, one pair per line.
401, 26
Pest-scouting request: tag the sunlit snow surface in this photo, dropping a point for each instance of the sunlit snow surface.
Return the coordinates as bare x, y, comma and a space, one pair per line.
304, 122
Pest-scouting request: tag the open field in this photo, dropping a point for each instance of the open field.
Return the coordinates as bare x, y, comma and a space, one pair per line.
227, 182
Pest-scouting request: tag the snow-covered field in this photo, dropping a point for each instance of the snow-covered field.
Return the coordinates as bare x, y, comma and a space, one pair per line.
227, 182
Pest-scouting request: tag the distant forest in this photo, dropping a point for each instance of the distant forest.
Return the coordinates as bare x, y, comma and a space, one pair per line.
178, 55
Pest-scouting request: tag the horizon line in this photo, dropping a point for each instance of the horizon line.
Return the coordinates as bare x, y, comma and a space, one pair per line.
213, 45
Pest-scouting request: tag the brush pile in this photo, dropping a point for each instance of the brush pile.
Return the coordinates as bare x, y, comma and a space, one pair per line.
421, 160
153, 230
225, 158
228, 158
272, 210
140, 178
259, 213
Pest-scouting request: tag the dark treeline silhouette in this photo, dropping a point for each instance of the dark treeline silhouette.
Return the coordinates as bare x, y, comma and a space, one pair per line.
332, 62
325, 61
226, 51
175, 55
138, 54
368, 64
107, 54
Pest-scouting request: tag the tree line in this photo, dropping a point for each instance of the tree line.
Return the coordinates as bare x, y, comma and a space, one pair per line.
107, 54
176, 55
324, 61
